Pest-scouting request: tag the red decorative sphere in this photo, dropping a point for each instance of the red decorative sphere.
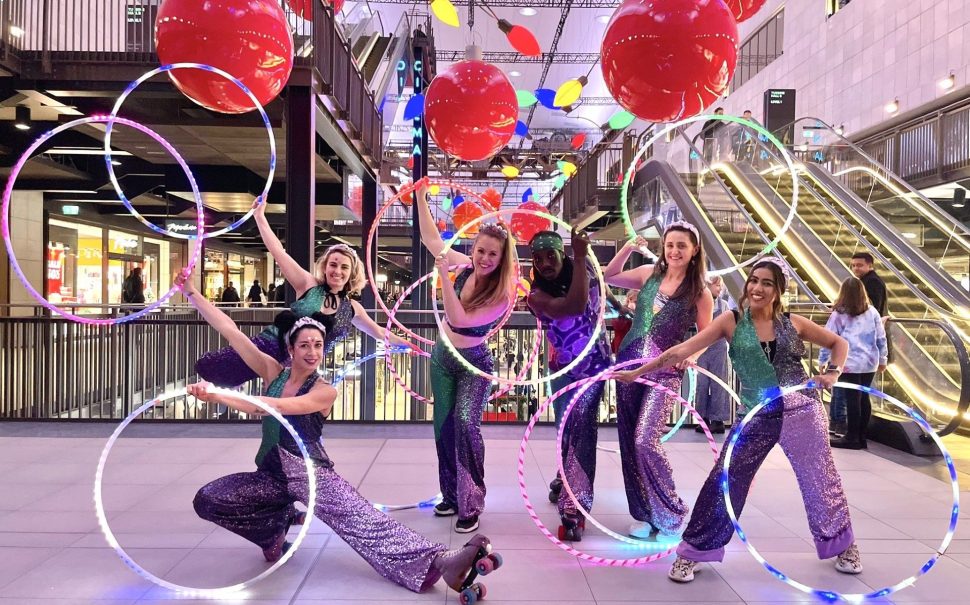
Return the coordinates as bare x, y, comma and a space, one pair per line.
525, 226
464, 214
248, 39
744, 9
304, 8
470, 110
493, 199
667, 60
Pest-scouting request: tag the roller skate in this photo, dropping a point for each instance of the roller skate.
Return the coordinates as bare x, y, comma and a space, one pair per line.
273, 553
460, 568
572, 528
554, 488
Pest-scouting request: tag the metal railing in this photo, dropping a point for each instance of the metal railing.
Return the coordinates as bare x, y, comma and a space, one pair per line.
37, 34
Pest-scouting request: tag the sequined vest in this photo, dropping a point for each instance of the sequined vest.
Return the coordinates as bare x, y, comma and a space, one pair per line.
758, 376
338, 324
475, 331
660, 331
308, 426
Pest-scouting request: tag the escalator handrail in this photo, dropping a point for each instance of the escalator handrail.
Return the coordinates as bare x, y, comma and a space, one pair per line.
929, 204
964, 360
876, 253
695, 153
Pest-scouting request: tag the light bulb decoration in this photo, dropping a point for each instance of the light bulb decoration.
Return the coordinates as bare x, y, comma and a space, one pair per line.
510, 172
547, 98
522, 129
520, 38
569, 92
621, 120
578, 140
415, 107
446, 12
525, 98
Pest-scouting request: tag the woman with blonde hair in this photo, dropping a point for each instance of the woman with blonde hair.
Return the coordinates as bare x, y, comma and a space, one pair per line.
473, 305
338, 275
855, 320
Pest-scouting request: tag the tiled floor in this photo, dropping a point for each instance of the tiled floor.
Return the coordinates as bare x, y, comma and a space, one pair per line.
52, 552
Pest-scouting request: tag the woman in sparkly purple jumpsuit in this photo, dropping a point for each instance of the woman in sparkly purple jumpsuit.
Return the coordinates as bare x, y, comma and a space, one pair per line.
766, 349
473, 304
338, 275
565, 296
673, 297
259, 505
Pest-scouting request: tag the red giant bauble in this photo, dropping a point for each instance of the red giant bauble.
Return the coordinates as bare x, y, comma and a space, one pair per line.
744, 9
666, 60
464, 214
246, 38
525, 226
304, 8
470, 110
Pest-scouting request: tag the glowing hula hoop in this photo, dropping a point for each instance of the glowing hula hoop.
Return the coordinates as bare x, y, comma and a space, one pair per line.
222, 591
565, 369
5, 214
113, 117
631, 169
830, 595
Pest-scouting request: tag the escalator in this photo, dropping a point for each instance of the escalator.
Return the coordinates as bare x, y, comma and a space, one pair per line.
928, 330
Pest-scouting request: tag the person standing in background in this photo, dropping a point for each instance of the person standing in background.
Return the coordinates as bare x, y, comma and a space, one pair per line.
255, 296
230, 295
713, 402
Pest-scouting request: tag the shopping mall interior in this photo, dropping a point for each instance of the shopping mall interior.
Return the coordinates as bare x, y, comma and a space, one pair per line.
177, 174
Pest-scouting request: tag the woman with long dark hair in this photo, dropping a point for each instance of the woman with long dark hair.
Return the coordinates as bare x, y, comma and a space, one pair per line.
766, 349
673, 297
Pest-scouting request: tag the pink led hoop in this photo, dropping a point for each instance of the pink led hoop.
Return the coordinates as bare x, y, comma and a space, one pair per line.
523, 490
4, 220
604, 375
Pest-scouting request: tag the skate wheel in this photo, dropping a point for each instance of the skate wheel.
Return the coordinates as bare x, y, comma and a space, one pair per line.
497, 559
484, 566
481, 591
469, 596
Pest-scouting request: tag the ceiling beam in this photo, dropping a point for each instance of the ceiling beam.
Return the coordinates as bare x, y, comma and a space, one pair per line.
514, 57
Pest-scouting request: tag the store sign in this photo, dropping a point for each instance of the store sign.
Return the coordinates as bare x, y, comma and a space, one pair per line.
182, 227
139, 25
125, 243
70, 210
55, 268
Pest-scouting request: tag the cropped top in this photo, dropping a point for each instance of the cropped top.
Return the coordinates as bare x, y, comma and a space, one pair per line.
474, 331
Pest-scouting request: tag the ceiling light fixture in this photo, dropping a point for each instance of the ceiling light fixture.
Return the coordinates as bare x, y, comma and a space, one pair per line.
948, 82
604, 19
22, 117
515, 73
16, 32
892, 106
527, 12
840, 130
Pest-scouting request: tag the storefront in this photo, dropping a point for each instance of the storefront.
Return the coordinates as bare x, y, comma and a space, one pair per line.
87, 263
223, 266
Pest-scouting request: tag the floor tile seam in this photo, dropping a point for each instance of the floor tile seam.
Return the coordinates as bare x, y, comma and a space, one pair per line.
310, 567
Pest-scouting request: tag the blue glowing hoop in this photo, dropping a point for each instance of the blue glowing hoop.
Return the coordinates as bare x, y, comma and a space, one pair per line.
830, 595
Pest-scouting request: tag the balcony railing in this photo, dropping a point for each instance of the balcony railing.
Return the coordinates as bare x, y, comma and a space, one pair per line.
38, 35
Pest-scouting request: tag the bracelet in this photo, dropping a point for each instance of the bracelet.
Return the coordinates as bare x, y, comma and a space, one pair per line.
833, 369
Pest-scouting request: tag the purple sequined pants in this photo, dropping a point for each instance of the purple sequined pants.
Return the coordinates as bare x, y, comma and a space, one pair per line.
225, 368
802, 433
259, 506
579, 448
641, 420
459, 400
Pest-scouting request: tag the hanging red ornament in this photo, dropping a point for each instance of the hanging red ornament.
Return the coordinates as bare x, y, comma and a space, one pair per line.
492, 198
304, 8
520, 38
669, 59
249, 40
464, 213
525, 226
744, 9
471, 110
578, 140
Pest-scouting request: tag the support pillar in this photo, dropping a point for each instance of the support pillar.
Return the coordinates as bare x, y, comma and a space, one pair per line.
367, 385
300, 179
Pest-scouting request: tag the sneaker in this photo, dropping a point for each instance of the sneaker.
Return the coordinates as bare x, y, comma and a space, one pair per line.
717, 427
682, 570
466, 526
641, 529
445, 509
850, 561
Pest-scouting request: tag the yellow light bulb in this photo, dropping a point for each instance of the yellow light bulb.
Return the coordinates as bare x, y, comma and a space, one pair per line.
510, 171
568, 93
446, 12
434, 189
568, 168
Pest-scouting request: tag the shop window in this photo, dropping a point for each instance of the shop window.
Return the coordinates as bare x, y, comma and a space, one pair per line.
760, 49
74, 263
